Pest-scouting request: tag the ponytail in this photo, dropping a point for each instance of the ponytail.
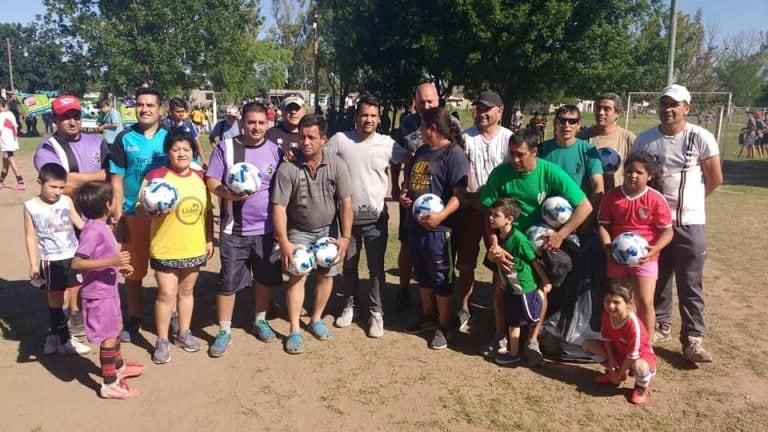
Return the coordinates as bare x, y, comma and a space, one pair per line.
442, 120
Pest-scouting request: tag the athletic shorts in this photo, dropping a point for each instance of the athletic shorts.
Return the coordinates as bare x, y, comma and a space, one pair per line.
307, 239
470, 234
245, 259
102, 318
59, 275
432, 257
136, 241
522, 310
648, 270
7, 154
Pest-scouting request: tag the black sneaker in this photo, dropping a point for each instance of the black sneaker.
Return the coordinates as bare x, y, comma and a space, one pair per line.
403, 299
422, 326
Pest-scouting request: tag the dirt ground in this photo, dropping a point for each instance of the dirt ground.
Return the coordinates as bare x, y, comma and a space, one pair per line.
352, 382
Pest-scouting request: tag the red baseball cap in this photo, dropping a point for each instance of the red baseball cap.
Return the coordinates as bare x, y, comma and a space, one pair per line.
65, 103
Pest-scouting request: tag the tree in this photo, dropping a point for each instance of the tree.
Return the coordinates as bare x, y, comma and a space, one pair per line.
292, 32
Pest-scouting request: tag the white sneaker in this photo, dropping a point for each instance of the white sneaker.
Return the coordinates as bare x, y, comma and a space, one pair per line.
376, 325
74, 347
346, 317
51, 344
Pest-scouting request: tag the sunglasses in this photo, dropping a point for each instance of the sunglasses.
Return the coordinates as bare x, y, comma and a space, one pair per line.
570, 121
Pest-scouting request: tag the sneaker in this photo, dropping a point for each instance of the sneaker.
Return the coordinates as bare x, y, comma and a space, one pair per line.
439, 339
51, 344
118, 390
76, 325
346, 317
162, 352
74, 347
640, 395
533, 354
695, 353
494, 346
130, 369
221, 344
130, 330
662, 333
188, 342
174, 326
464, 316
319, 330
20, 187
507, 359
264, 332
376, 325
294, 343
422, 326
403, 299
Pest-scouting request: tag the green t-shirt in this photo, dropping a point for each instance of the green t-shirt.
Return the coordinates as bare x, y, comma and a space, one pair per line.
520, 281
579, 160
530, 189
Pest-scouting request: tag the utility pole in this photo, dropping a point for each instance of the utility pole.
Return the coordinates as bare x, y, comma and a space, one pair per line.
672, 40
317, 66
10, 63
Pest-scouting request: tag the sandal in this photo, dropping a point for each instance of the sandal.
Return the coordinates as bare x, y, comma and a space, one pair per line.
319, 330
294, 344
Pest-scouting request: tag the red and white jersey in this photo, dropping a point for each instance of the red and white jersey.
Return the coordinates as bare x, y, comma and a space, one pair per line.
646, 214
629, 339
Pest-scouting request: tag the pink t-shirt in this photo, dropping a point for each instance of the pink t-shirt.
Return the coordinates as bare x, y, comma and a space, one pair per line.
98, 242
646, 214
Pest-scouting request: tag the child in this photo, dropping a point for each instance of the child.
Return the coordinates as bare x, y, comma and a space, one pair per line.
623, 346
99, 259
177, 118
522, 301
9, 143
643, 210
180, 241
49, 221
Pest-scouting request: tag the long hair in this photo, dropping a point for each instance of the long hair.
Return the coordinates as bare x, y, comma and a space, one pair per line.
650, 164
441, 119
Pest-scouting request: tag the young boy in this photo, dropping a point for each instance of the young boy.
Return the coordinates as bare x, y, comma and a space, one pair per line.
49, 221
522, 299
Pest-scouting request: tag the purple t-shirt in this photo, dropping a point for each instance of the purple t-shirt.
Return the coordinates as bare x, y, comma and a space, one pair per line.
249, 217
98, 242
89, 153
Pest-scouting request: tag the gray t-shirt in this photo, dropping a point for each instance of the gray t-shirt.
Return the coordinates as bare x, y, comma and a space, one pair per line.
311, 202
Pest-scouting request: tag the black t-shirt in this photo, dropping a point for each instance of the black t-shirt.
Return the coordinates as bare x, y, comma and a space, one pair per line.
282, 137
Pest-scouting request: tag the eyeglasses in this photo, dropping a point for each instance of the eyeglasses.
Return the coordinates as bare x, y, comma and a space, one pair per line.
570, 121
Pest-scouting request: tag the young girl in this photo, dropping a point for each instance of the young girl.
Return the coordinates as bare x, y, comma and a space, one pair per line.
49, 227
623, 346
439, 167
180, 241
636, 207
99, 259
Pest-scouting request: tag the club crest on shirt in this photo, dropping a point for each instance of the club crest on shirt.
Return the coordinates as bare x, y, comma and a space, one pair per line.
95, 157
643, 212
268, 168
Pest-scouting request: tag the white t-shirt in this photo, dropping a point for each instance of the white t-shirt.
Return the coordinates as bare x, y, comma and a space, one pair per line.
680, 157
8, 132
368, 164
484, 155
56, 238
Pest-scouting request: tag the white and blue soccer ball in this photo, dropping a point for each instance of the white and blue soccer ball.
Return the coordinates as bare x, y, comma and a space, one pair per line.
243, 178
610, 159
303, 261
427, 203
556, 211
629, 248
159, 196
325, 252
538, 236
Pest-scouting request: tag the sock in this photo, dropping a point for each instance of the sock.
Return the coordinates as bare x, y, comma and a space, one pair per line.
225, 326
2, 176
108, 370
133, 323
261, 316
20, 179
119, 363
59, 324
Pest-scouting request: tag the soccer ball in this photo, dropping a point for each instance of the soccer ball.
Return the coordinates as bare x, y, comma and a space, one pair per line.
303, 262
537, 234
556, 211
243, 178
159, 196
628, 248
325, 252
427, 203
610, 159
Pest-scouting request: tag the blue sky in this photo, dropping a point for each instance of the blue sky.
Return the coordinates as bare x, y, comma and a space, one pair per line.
730, 16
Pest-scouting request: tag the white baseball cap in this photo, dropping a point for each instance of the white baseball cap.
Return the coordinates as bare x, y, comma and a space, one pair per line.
677, 92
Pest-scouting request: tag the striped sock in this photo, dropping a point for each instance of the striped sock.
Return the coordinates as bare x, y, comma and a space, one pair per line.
118, 356
108, 370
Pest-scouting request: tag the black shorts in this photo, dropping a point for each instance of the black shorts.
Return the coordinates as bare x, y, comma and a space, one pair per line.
7, 154
245, 259
59, 275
